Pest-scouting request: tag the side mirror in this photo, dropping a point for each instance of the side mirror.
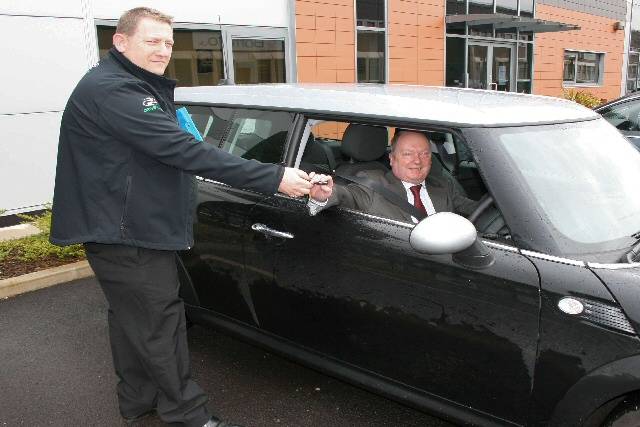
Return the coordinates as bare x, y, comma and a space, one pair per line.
449, 233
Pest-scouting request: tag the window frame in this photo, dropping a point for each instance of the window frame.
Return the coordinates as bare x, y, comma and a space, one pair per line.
375, 30
576, 54
291, 129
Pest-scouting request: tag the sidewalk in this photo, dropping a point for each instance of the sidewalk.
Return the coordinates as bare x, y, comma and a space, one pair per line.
17, 231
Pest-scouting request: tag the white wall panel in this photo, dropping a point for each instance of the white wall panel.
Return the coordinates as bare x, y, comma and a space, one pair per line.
42, 66
28, 159
71, 8
271, 13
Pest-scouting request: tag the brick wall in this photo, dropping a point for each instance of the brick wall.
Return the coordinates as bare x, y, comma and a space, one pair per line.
596, 34
325, 41
416, 41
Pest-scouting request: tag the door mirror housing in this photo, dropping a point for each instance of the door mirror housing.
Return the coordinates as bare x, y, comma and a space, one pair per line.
449, 233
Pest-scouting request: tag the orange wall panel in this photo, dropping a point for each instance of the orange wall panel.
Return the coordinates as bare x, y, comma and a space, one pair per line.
325, 41
415, 34
596, 34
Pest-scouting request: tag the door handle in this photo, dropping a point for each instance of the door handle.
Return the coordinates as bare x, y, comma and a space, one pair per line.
271, 232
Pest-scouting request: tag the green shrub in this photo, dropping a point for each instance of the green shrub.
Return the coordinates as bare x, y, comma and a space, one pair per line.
582, 97
37, 246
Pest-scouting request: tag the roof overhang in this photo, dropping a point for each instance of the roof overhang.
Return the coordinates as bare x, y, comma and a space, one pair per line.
501, 20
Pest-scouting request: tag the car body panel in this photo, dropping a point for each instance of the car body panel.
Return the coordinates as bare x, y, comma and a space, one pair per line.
570, 346
346, 293
385, 304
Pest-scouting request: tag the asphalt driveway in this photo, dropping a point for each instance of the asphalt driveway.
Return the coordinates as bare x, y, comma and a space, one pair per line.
55, 369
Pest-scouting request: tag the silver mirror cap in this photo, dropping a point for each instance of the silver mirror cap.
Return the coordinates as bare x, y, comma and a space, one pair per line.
443, 233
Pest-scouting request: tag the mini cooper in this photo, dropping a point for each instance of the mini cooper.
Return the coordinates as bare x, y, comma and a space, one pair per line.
524, 313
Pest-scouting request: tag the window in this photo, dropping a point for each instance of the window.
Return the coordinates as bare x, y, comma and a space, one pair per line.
253, 54
371, 36
455, 71
525, 58
258, 61
509, 7
251, 134
634, 49
624, 116
582, 67
196, 59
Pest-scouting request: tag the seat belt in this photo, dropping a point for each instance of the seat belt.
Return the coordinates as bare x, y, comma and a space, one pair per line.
392, 197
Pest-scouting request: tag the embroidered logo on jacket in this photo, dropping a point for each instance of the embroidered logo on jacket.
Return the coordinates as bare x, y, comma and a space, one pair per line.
150, 104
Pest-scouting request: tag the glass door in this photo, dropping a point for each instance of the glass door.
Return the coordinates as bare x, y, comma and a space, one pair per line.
477, 66
501, 76
490, 66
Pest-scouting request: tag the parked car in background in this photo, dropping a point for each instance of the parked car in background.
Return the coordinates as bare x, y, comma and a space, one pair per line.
525, 313
624, 114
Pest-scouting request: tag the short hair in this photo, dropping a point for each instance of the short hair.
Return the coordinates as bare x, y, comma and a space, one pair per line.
400, 131
128, 22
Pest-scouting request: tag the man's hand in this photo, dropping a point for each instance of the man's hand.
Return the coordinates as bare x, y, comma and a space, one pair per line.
295, 183
322, 187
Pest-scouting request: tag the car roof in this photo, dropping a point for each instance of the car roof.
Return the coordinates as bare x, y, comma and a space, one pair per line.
405, 103
629, 97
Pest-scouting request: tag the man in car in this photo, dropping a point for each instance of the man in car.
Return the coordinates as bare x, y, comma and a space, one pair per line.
125, 189
409, 178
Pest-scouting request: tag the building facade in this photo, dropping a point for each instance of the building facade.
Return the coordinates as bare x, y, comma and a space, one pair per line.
531, 46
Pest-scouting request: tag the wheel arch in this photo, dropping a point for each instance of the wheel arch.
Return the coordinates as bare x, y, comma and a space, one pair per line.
592, 398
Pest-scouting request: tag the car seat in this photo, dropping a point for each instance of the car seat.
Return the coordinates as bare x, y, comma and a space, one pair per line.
364, 146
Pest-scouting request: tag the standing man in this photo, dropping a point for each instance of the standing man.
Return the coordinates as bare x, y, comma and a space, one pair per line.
124, 188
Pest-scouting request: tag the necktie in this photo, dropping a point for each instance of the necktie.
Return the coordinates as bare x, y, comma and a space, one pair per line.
417, 202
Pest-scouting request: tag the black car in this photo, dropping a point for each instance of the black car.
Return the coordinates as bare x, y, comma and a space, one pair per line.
524, 313
624, 114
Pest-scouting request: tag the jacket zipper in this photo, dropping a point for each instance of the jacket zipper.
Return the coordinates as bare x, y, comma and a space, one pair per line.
124, 207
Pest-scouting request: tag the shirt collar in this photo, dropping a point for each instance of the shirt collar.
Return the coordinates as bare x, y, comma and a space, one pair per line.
408, 185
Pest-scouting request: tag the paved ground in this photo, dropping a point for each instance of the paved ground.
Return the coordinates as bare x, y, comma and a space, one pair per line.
55, 369
18, 231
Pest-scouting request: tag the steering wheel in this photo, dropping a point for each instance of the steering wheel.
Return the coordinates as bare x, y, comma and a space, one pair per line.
483, 204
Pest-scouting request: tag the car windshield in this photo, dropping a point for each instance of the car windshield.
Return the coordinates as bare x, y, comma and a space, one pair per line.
583, 176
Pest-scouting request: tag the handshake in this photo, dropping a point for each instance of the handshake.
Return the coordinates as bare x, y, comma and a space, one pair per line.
296, 183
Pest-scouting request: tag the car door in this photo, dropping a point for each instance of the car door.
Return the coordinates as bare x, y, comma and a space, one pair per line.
349, 286
216, 263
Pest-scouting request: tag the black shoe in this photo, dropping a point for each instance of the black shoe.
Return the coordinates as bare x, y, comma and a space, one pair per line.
136, 418
214, 422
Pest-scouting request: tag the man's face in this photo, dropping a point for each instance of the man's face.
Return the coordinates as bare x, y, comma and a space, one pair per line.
411, 157
149, 47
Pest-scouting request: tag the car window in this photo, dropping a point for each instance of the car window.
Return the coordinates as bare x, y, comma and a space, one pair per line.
251, 134
624, 116
451, 161
585, 189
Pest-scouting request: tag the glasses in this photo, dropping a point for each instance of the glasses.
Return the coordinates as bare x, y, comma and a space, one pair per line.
413, 154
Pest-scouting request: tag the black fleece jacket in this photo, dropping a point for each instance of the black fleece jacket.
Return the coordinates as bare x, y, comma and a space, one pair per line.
125, 168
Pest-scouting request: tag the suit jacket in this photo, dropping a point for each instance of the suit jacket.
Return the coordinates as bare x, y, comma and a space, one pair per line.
445, 196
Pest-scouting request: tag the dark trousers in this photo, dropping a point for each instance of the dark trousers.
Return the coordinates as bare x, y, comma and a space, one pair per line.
148, 334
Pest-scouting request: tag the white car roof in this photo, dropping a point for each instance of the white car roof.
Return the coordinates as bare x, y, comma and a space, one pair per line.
408, 103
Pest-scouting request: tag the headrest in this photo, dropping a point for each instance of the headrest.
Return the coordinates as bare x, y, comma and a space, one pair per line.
364, 143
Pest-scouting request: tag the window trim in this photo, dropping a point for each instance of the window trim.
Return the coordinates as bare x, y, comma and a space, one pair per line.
363, 29
574, 82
